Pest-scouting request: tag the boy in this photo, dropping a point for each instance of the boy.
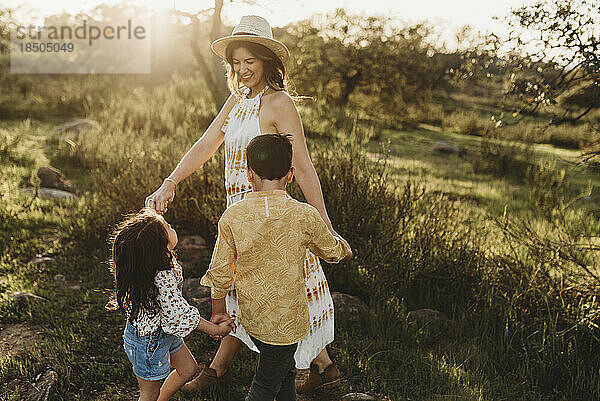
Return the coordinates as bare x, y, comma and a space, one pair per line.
262, 243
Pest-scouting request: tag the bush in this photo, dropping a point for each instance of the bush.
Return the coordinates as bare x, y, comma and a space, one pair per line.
408, 244
182, 105
11, 145
529, 306
144, 134
547, 290
501, 159
547, 187
467, 123
324, 120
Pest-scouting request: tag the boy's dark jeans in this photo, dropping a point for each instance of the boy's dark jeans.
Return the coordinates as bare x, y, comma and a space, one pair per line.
275, 374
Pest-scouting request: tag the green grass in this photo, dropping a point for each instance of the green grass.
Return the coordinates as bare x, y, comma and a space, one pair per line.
411, 155
476, 356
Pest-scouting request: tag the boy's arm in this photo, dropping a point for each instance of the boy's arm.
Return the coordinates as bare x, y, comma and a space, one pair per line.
322, 243
220, 274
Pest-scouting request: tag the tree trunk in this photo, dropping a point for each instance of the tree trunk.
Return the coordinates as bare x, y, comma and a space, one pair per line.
350, 83
211, 68
220, 81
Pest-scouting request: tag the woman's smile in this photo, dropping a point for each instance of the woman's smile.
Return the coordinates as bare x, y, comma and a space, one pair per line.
248, 67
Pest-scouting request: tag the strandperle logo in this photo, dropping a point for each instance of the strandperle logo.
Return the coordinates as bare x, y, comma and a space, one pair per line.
82, 46
84, 31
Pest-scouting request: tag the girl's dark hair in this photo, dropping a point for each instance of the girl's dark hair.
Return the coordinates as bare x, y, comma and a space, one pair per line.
273, 67
139, 251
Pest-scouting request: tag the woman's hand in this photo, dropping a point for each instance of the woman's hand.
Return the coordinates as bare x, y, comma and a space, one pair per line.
159, 200
339, 237
345, 243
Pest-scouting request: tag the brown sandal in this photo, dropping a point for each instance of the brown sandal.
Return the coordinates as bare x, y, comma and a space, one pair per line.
330, 378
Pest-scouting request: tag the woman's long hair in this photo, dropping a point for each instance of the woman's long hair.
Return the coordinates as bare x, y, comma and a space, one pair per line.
139, 251
273, 68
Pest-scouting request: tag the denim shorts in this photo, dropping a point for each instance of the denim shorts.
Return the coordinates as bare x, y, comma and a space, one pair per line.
150, 355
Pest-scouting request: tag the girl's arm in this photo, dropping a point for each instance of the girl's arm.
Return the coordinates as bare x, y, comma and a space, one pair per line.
195, 157
216, 331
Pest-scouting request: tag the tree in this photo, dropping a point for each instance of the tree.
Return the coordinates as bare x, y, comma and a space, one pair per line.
559, 41
210, 65
367, 62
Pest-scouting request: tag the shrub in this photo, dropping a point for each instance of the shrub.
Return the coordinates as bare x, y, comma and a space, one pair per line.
501, 159
324, 120
467, 123
11, 145
547, 288
180, 105
144, 134
408, 244
546, 187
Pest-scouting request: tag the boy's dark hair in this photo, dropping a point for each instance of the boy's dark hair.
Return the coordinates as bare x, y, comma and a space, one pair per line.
270, 155
139, 251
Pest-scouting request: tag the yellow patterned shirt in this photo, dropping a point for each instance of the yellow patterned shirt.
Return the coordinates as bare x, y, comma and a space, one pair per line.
261, 245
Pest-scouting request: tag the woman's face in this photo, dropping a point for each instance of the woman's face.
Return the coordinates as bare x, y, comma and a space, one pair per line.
248, 68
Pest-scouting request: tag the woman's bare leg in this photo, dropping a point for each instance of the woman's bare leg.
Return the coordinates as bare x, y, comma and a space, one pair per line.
230, 346
322, 360
227, 349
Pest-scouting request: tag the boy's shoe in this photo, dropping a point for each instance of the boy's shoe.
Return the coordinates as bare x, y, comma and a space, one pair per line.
330, 378
205, 379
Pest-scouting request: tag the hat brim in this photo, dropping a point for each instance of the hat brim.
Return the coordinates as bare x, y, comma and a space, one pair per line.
219, 46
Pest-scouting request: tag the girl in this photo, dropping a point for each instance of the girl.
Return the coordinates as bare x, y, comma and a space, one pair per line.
148, 283
259, 104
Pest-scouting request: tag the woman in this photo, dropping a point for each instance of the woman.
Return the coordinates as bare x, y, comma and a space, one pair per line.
259, 104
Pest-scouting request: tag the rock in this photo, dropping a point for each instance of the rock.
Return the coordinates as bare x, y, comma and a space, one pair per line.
24, 296
191, 242
41, 389
49, 193
17, 337
197, 295
445, 147
77, 127
33, 122
52, 178
75, 287
191, 247
348, 307
41, 259
357, 397
60, 277
425, 316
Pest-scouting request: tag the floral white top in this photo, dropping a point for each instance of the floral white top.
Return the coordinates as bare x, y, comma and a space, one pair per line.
176, 316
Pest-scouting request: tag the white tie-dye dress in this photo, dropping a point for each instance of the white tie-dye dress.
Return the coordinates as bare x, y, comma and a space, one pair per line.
240, 127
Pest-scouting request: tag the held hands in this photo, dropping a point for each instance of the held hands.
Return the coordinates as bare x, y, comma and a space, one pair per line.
159, 199
220, 330
223, 324
345, 244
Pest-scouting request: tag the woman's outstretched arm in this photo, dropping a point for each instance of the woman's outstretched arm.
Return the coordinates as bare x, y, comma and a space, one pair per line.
195, 157
287, 121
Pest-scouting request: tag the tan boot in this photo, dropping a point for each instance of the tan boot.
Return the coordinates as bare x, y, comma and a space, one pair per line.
330, 378
205, 379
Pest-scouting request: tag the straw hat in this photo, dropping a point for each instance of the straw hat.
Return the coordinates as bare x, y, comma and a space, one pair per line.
252, 28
